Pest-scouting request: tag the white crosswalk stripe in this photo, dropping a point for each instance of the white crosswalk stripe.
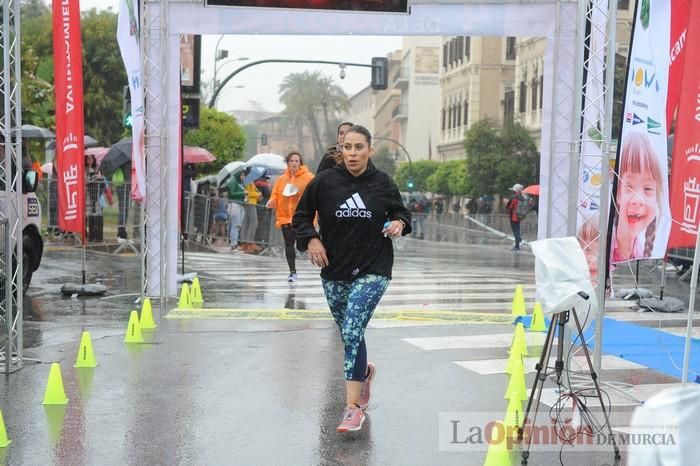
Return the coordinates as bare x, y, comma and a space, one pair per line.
503, 341
414, 285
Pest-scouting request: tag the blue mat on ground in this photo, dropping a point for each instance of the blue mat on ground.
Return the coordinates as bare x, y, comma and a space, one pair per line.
648, 346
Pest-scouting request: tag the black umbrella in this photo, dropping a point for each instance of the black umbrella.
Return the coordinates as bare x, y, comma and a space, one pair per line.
118, 155
36, 132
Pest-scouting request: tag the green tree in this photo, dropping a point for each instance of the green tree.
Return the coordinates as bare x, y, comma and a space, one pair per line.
422, 170
519, 159
483, 147
383, 159
219, 133
449, 178
103, 71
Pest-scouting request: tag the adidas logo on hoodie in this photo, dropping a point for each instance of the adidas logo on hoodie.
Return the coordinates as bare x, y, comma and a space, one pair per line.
353, 207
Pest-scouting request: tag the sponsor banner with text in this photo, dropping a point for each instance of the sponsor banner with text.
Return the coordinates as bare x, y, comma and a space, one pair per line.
68, 72
641, 213
128, 37
685, 172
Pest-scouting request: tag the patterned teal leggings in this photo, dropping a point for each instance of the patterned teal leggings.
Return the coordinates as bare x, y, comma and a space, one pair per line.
352, 304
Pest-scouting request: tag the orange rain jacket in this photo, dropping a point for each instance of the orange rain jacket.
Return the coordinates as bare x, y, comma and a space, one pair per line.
286, 205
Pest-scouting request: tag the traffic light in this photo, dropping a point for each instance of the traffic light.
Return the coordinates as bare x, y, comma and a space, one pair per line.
126, 107
409, 184
380, 69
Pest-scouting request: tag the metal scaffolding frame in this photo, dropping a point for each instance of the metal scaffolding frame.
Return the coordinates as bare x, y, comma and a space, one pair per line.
11, 345
155, 209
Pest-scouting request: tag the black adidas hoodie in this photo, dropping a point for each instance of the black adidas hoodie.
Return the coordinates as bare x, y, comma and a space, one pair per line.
352, 212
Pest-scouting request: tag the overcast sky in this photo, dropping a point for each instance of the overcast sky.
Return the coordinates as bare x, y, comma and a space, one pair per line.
261, 83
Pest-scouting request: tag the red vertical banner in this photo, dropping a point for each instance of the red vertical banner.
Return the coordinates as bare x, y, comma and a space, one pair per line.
68, 76
685, 171
679, 27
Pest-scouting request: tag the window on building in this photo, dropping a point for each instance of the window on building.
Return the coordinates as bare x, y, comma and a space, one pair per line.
454, 115
449, 117
444, 56
509, 106
452, 52
510, 48
459, 116
623, 4
443, 118
460, 49
467, 47
541, 89
466, 113
523, 97
534, 86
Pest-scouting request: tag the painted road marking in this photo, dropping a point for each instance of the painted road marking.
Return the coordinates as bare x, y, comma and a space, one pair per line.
498, 366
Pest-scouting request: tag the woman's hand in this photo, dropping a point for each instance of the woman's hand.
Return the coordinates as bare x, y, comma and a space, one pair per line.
317, 253
394, 229
271, 204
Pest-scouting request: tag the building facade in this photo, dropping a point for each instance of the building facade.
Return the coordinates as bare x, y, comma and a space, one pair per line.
477, 76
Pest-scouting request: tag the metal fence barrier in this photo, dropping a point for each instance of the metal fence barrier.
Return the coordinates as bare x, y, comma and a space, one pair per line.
222, 223
111, 216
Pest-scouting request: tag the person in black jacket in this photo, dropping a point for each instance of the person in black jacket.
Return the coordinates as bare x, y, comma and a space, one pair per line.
333, 153
360, 210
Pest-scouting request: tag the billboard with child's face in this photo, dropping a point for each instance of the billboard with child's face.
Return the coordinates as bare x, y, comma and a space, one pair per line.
641, 222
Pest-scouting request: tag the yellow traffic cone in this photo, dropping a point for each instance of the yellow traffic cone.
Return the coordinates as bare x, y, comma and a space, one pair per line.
133, 330
55, 395
519, 339
184, 302
498, 454
515, 358
514, 415
518, 302
146, 320
86, 357
516, 385
196, 294
537, 322
4, 441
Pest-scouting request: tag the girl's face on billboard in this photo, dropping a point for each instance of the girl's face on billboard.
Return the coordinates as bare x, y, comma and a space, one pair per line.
638, 201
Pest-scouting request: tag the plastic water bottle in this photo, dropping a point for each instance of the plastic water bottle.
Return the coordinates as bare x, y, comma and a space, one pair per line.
399, 242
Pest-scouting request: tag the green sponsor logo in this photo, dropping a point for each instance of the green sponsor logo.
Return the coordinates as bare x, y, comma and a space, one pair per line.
653, 126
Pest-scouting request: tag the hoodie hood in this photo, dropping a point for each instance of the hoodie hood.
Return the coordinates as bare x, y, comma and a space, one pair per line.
370, 172
301, 172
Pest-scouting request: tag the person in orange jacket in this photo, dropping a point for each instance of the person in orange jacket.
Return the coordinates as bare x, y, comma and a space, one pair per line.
284, 199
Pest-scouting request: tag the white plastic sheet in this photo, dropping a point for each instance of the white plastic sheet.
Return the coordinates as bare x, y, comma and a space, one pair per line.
666, 429
561, 272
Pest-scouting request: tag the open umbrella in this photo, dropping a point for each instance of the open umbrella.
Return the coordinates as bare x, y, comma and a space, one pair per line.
254, 173
98, 152
36, 132
117, 155
229, 170
274, 163
533, 190
193, 154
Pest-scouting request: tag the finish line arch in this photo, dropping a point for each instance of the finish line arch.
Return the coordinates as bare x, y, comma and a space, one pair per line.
561, 22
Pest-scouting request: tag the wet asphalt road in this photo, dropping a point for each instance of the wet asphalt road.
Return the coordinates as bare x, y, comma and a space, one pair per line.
252, 392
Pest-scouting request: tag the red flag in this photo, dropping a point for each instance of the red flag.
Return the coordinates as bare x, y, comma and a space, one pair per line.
679, 26
68, 72
685, 171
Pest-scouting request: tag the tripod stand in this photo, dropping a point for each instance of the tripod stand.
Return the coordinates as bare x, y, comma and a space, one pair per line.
559, 321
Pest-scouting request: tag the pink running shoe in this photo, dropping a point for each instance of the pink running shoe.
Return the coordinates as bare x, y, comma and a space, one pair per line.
365, 393
353, 418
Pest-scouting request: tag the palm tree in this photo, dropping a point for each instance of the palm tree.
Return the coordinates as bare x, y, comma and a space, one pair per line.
333, 101
304, 94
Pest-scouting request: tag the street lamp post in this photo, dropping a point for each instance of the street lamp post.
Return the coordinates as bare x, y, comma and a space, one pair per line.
405, 151
217, 56
219, 87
